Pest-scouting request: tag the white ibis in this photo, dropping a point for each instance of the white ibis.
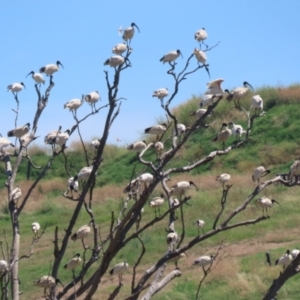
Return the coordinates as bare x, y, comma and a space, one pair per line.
37, 77
19, 131
266, 203
171, 56
50, 69
15, 87
223, 135
119, 269
258, 173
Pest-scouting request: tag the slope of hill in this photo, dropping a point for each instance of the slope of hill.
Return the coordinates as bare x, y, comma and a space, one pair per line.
242, 273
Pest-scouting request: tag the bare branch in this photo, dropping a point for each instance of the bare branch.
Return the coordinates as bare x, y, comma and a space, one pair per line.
290, 271
223, 203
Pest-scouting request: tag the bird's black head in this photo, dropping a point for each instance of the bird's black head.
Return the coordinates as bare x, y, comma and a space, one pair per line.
68, 131
29, 73
164, 124
28, 125
192, 183
23, 84
58, 63
179, 52
134, 25
77, 255
224, 125
274, 201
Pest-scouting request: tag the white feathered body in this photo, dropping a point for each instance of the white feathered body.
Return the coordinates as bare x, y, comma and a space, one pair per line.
114, 61
92, 97
156, 129
161, 93
200, 56
145, 177
15, 87
200, 35
119, 48
214, 87
204, 260
223, 178
73, 104
137, 146
119, 269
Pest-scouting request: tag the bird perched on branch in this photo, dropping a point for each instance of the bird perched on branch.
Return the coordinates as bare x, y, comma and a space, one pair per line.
258, 173
284, 260
180, 187
137, 146
72, 185
128, 32
19, 131
171, 56
82, 232
47, 282
74, 104
201, 58
214, 87
200, 36
73, 263
257, 104
157, 202
156, 130
119, 270
37, 77
114, 61
223, 178
161, 93
15, 87
92, 98
204, 260
238, 93
16, 194
5, 142
4, 266
237, 130
120, 48
50, 69
223, 135
294, 170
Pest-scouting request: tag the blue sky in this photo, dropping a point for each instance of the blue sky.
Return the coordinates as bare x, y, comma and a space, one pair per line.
259, 43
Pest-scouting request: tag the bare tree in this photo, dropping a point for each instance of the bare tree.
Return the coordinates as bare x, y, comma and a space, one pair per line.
104, 249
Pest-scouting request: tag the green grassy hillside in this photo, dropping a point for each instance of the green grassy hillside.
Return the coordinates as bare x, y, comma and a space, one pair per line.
242, 273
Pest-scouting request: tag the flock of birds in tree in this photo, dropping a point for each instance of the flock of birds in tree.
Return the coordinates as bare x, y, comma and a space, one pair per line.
57, 137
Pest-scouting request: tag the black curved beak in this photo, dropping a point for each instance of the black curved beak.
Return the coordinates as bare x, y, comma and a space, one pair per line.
250, 85
276, 202
195, 186
61, 64
57, 280
136, 27
181, 54
207, 70
29, 74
